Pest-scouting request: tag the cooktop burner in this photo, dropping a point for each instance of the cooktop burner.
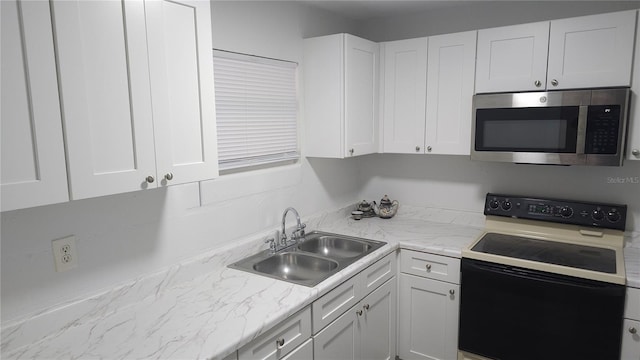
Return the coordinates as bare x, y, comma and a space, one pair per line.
550, 252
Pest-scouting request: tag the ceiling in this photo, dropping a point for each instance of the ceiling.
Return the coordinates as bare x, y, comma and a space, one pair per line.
367, 9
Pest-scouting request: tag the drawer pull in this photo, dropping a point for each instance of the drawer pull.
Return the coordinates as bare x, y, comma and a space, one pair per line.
280, 343
359, 312
366, 307
633, 330
452, 292
428, 267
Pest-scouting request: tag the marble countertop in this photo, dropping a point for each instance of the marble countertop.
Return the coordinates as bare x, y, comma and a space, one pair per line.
202, 309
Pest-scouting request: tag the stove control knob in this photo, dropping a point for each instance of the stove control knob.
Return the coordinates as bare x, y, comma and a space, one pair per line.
613, 215
566, 212
506, 205
493, 204
597, 214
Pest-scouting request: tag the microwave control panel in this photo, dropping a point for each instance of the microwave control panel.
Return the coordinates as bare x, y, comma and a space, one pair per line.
603, 127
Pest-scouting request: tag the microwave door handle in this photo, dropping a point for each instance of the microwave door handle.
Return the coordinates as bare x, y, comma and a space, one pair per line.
582, 129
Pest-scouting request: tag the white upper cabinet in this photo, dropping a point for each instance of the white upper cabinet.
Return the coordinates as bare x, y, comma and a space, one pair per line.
450, 74
341, 96
124, 72
591, 51
512, 58
105, 95
33, 162
428, 89
633, 130
181, 68
582, 52
404, 94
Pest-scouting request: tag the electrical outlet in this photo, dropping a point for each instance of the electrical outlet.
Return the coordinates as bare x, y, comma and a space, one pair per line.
65, 254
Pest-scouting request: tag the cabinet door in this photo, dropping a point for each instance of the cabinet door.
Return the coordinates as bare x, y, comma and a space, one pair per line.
339, 340
405, 89
33, 162
630, 340
181, 68
361, 94
591, 51
451, 74
303, 352
378, 323
512, 58
105, 95
428, 319
633, 131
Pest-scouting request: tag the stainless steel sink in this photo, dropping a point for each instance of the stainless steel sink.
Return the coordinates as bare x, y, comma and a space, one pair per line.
310, 261
334, 246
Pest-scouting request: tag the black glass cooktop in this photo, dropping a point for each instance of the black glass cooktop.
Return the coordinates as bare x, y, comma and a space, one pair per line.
550, 252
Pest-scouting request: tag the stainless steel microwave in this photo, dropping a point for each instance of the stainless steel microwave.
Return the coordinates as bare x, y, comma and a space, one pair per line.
578, 127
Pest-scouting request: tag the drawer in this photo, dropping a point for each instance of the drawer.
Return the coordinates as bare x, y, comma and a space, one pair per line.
280, 340
431, 266
335, 303
378, 273
303, 352
632, 304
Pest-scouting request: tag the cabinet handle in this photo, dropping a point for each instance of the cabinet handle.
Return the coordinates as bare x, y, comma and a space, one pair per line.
633, 330
168, 176
359, 312
366, 307
635, 152
150, 179
351, 151
554, 82
417, 148
280, 343
537, 83
428, 267
452, 292
429, 148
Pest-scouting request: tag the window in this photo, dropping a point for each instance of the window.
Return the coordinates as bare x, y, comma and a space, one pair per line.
256, 110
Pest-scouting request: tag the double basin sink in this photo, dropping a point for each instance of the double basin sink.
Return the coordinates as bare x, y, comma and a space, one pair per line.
313, 259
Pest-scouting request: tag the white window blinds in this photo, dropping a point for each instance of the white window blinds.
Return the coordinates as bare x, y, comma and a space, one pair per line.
256, 110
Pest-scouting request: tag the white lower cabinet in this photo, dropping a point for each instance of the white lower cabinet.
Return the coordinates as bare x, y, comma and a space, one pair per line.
365, 331
281, 340
428, 307
631, 326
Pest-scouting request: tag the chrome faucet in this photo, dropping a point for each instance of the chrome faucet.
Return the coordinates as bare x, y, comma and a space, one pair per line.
296, 234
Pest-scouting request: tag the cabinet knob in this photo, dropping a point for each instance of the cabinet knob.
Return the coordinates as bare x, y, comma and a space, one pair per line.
554, 82
359, 312
452, 292
150, 179
633, 330
366, 307
428, 267
417, 148
429, 148
168, 176
537, 83
280, 343
351, 151
635, 152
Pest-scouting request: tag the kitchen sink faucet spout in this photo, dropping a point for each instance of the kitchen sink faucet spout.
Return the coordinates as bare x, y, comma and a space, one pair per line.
296, 234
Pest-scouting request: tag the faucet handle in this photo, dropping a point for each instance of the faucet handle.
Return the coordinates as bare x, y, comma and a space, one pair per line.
272, 244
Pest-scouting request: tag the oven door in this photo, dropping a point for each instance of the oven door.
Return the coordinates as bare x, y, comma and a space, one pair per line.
512, 313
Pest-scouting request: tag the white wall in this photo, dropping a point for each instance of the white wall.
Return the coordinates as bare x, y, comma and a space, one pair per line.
123, 236
456, 182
